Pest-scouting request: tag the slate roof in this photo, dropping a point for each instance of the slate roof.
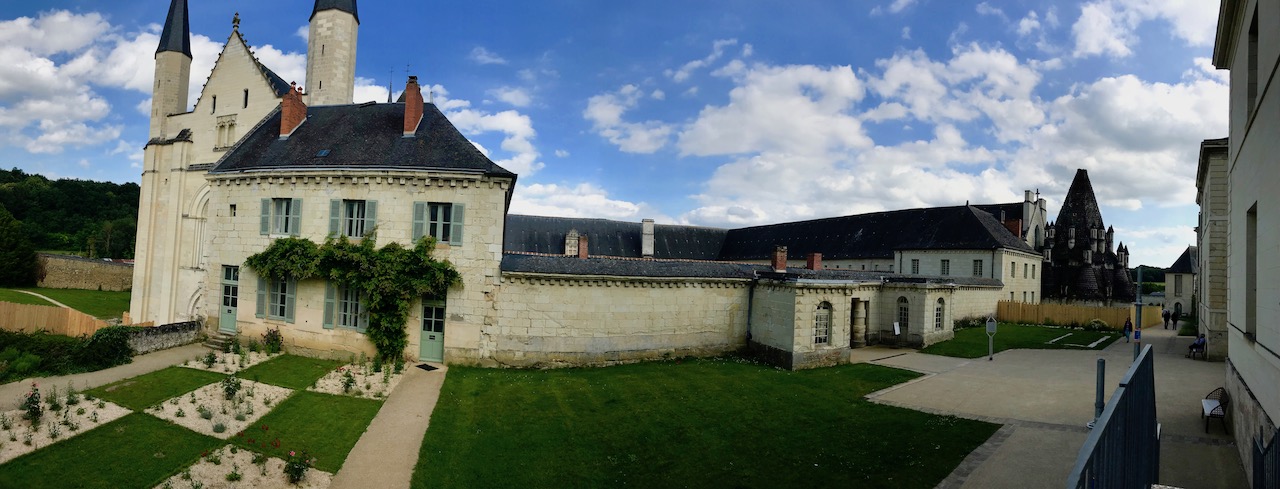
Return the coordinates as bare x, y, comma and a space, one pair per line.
363, 136
538, 234
176, 35
343, 5
1187, 263
875, 235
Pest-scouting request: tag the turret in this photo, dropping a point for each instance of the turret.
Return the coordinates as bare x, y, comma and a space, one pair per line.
331, 52
1111, 234
173, 69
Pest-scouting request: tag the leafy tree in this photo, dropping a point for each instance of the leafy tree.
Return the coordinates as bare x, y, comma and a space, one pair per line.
73, 215
18, 259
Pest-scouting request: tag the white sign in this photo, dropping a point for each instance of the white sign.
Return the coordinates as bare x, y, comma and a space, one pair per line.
991, 325
896, 331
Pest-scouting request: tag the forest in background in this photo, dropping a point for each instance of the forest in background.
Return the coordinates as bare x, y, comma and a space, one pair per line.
84, 217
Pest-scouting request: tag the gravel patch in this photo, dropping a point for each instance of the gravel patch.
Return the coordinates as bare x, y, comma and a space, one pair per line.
268, 473
68, 422
367, 383
228, 362
203, 409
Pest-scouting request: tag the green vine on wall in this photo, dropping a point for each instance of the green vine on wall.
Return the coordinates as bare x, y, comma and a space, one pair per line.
389, 279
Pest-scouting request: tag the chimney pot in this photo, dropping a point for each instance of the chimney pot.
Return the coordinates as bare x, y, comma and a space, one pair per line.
813, 261
779, 261
412, 106
582, 246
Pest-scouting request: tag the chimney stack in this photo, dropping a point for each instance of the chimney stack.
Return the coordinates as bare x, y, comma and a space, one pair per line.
582, 246
1027, 196
813, 261
292, 111
779, 261
412, 107
646, 238
571, 243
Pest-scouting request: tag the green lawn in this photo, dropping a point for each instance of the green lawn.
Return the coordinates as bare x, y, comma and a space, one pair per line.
9, 295
324, 425
290, 371
702, 423
96, 303
139, 392
972, 342
137, 450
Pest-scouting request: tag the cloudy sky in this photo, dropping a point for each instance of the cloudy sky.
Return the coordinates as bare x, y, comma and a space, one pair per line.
715, 112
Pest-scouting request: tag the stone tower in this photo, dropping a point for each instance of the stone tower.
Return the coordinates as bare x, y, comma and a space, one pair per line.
331, 52
173, 69
1079, 261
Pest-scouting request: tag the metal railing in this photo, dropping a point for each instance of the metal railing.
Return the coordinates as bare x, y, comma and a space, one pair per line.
1266, 462
1123, 449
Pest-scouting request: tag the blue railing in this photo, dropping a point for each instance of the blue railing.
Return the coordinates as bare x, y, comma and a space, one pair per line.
1123, 449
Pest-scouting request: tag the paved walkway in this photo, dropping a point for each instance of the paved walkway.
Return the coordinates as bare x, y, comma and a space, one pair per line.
45, 297
387, 453
11, 393
1044, 398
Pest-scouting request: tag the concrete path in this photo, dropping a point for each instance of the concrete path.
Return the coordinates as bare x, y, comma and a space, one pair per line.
11, 393
1044, 398
45, 297
388, 451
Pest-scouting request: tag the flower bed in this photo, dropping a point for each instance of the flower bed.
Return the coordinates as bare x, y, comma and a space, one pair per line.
203, 409
214, 471
358, 380
69, 420
226, 362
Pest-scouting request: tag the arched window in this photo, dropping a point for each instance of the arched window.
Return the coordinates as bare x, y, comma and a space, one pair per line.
937, 314
903, 313
822, 324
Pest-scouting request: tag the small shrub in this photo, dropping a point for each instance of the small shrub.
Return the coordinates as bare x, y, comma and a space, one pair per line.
180, 413
107, 347
296, 466
31, 405
5, 422
235, 474
1050, 322
93, 417
101, 404
73, 396
54, 402
205, 412
230, 385
236, 348
1097, 325
54, 431
210, 359
971, 322
273, 341
254, 346
26, 437
215, 458
240, 417
219, 427
79, 411
348, 381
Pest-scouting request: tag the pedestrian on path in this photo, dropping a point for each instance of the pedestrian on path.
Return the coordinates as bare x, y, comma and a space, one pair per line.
1176, 316
1128, 328
1165, 315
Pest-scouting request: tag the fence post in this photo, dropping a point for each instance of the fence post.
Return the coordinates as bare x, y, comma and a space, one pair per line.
1098, 402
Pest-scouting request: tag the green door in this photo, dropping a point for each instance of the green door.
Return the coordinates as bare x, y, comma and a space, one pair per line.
230, 293
431, 343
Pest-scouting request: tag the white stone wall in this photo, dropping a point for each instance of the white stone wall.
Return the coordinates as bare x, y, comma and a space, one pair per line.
1171, 295
773, 316
1212, 245
468, 307
546, 320
331, 58
1019, 271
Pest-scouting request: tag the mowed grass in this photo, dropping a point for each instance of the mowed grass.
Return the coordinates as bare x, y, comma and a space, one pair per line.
702, 423
134, 451
290, 371
97, 303
972, 342
137, 393
10, 295
324, 425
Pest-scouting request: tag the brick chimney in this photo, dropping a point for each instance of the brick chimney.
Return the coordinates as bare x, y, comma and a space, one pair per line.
582, 246
779, 261
813, 261
412, 107
1014, 226
646, 238
292, 111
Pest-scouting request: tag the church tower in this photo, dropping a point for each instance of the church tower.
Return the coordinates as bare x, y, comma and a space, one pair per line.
331, 52
173, 69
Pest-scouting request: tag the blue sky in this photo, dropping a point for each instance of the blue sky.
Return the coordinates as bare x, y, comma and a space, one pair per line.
718, 113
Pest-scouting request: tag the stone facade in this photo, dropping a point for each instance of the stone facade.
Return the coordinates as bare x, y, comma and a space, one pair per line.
331, 57
1211, 240
156, 338
73, 272
1246, 44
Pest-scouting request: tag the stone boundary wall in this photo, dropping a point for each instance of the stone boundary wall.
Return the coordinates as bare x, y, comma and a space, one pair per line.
154, 338
73, 272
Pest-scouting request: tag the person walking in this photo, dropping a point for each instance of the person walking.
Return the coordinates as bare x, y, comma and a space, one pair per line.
1176, 316
1165, 315
1128, 328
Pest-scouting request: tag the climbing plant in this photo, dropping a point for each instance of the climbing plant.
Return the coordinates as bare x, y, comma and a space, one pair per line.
389, 278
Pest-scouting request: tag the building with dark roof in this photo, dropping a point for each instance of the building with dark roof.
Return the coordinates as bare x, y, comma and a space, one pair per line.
1083, 264
1180, 285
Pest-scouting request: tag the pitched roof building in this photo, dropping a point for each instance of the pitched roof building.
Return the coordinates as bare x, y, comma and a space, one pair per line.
1082, 261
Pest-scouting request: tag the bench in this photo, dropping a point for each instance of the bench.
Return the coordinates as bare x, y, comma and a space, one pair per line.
1215, 406
1203, 351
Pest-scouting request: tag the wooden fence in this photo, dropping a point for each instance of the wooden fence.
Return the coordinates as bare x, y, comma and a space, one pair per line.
1063, 314
56, 320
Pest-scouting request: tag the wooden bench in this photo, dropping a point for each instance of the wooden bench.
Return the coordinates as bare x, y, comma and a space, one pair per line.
1203, 351
1215, 405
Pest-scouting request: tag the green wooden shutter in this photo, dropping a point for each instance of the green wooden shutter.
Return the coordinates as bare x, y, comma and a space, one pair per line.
295, 218
419, 220
362, 321
266, 217
261, 311
370, 216
290, 296
328, 305
455, 234
335, 217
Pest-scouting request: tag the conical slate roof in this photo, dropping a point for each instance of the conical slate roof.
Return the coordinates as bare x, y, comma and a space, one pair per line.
176, 35
348, 6
1079, 208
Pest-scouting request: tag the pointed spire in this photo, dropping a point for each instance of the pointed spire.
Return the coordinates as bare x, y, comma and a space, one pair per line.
176, 35
348, 6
